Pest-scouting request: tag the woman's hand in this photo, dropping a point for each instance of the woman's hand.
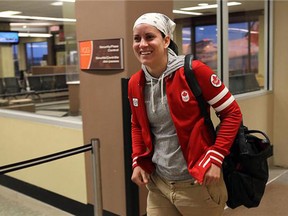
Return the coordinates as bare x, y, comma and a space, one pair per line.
212, 175
139, 176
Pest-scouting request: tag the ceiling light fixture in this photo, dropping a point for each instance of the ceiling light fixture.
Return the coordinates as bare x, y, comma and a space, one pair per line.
203, 4
31, 24
202, 7
186, 12
58, 3
21, 34
9, 13
67, 0
38, 18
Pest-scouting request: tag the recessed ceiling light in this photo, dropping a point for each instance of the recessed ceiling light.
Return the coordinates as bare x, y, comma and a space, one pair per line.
58, 3
21, 34
38, 18
186, 12
31, 24
209, 6
203, 4
9, 13
67, 0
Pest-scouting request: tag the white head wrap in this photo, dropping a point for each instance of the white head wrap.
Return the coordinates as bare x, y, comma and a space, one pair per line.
158, 20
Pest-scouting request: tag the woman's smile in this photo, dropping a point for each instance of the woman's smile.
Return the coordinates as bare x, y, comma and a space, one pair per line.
145, 53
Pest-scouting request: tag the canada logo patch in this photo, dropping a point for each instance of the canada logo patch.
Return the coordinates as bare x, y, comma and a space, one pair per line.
185, 96
135, 102
215, 81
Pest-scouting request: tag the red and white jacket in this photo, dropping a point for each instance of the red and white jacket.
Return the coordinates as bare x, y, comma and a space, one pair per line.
197, 146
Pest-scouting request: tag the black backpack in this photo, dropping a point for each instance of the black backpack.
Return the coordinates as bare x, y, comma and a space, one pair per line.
245, 169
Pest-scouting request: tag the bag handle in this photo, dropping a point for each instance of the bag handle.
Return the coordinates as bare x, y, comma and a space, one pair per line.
259, 132
245, 145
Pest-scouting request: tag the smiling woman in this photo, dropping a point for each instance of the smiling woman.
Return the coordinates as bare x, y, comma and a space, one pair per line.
173, 152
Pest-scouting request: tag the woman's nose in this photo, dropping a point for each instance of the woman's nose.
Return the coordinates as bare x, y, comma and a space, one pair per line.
143, 42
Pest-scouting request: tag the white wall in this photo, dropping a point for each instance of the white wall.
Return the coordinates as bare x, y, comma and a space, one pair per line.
280, 75
23, 139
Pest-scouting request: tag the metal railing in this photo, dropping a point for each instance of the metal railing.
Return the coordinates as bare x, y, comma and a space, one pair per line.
94, 147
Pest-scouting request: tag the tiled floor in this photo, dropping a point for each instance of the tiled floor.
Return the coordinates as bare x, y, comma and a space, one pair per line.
274, 202
16, 204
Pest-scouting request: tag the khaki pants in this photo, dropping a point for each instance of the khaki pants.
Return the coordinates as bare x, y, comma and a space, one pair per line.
184, 198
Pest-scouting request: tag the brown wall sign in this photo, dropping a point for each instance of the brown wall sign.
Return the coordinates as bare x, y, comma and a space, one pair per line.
103, 54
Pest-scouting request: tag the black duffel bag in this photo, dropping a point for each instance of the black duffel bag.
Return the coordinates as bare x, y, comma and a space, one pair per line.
245, 169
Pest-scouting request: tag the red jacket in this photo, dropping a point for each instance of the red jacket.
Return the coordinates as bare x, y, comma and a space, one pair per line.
197, 146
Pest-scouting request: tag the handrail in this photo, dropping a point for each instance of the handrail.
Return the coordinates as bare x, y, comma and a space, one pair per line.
95, 155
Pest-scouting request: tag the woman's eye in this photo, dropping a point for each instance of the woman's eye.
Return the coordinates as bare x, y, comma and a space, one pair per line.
137, 39
149, 37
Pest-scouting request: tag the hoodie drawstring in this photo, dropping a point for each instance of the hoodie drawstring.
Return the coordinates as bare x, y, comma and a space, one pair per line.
162, 88
152, 96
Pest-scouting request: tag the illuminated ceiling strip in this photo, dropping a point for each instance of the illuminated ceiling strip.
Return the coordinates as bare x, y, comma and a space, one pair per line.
186, 12
38, 18
202, 7
31, 24
60, 2
67, 0
9, 13
12, 15
34, 35
57, 3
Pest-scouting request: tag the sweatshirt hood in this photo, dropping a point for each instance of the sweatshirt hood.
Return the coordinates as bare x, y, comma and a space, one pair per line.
174, 62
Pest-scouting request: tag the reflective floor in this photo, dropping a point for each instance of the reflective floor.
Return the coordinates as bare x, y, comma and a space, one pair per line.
15, 204
274, 202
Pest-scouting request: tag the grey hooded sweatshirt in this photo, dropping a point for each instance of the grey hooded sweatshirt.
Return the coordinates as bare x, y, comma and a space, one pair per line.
168, 157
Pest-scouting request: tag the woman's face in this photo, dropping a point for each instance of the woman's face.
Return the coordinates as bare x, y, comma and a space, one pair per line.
149, 46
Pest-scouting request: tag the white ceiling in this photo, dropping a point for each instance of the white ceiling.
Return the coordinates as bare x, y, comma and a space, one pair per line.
42, 8
45, 9
32, 8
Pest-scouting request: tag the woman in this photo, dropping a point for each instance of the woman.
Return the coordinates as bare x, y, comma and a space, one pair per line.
173, 154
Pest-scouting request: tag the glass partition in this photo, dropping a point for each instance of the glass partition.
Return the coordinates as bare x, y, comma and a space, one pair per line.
196, 33
246, 45
44, 60
197, 23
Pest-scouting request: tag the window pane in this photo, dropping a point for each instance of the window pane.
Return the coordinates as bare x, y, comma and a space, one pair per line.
206, 45
36, 53
197, 23
29, 57
45, 59
246, 47
186, 40
246, 60
16, 60
40, 51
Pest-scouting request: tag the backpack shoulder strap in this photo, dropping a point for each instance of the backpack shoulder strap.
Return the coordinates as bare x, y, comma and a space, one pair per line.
190, 77
195, 88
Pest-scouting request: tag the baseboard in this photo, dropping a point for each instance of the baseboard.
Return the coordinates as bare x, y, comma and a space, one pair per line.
58, 201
